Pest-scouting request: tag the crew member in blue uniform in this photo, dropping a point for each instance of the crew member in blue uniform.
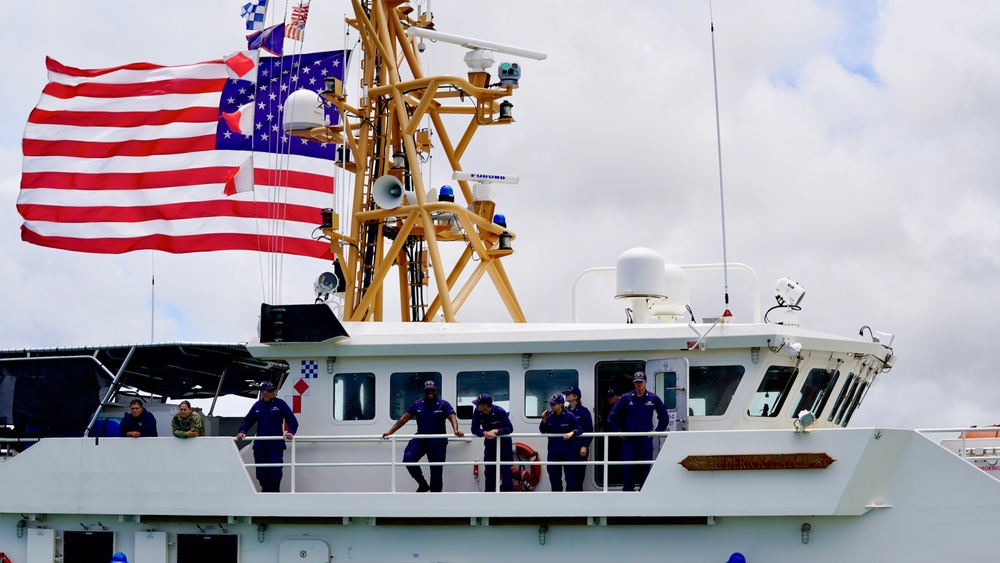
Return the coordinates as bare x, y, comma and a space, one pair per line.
576, 473
562, 446
634, 413
490, 421
431, 412
138, 423
270, 414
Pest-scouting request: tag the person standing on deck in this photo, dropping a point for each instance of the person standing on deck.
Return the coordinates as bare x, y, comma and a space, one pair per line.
563, 446
270, 414
431, 412
138, 423
490, 421
634, 413
576, 473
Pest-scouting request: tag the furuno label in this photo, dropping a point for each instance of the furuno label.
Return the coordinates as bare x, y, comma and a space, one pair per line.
488, 176
742, 462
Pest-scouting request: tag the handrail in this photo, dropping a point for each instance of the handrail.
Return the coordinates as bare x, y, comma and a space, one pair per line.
392, 463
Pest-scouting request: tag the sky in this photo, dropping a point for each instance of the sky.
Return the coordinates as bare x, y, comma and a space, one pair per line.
858, 144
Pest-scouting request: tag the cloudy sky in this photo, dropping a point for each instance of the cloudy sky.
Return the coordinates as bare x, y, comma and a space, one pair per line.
859, 145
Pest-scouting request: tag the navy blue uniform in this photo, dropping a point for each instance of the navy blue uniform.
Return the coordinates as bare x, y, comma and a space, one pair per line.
497, 419
270, 417
575, 473
144, 424
560, 449
431, 418
634, 413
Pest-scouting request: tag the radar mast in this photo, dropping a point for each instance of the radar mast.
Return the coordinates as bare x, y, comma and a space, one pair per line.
395, 222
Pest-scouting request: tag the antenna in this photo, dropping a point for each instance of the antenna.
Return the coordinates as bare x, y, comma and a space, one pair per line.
718, 144
470, 43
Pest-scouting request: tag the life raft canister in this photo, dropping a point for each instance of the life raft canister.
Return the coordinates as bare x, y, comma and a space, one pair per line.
526, 474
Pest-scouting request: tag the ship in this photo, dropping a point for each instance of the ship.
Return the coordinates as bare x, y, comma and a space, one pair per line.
758, 461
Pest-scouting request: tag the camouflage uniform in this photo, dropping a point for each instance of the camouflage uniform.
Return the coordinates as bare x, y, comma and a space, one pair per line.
181, 425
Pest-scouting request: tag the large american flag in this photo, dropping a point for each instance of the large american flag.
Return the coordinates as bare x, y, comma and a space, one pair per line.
136, 157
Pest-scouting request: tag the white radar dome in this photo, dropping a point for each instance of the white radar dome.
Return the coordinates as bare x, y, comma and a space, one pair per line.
303, 110
678, 295
640, 274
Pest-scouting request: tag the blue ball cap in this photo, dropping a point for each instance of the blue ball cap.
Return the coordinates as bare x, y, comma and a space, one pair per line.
611, 393
483, 399
557, 399
639, 376
574, 390
267, 386
429, 384
119, 558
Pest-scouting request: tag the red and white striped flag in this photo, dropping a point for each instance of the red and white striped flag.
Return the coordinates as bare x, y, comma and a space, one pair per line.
136, 157
297, 22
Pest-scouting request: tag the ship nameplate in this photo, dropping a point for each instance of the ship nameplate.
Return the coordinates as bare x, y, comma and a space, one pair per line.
741, 462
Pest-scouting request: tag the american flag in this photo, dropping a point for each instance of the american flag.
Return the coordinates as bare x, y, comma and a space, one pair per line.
297, 23
136, 157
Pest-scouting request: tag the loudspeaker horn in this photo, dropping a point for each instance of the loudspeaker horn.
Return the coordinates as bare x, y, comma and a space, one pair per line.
387, 192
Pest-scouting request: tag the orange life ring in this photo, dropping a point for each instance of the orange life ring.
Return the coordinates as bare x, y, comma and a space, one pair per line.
526, 474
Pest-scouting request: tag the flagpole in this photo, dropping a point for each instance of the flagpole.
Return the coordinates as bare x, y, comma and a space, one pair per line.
152, 295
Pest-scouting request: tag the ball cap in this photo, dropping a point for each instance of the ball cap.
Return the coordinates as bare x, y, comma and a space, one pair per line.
572, 391
429, 384
639, 376
611, 393
267, 386
557, 399
483, 399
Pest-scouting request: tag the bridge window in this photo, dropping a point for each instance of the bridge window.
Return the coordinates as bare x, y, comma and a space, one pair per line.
408, 386
815, 392
712, 388
772, 392
354, 396
540, 384
472, 383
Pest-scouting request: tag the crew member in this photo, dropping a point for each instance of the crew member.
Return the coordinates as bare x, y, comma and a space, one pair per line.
431, 412
634, 413
490, 421
576, 473
562, 446
138, 423
270, 414
187, 423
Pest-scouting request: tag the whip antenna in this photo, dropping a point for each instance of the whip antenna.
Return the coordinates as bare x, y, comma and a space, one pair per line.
718, 143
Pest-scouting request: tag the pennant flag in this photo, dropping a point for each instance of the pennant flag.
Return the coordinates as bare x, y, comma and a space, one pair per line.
241, 120
242, 65
140, 157
240, 180
297, 23
271, 39
254, 12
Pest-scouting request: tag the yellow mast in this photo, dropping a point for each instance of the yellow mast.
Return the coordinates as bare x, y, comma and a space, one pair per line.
383, 132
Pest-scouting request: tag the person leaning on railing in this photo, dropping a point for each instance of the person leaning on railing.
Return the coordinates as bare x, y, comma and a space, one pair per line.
187, 423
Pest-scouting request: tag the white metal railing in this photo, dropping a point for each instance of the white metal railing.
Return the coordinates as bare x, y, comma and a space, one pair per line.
990, 452
395, 461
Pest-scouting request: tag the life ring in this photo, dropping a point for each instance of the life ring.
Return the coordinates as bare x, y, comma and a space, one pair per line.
526, 474
4, 558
